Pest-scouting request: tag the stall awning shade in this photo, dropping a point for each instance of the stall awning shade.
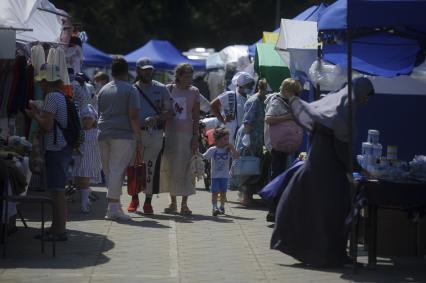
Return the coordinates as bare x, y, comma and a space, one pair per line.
268, 64
378, 54
345, 14
95, 57
163, 55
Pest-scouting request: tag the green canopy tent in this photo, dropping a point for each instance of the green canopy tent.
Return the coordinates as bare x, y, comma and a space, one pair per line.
269, 65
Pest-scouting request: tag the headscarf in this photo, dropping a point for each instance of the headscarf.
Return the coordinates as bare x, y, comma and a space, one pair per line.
89, 111
241, 79
332, 110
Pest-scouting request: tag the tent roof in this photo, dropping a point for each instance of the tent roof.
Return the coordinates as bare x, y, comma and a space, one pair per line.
270, 37
46, 27
345, 14
268, 64
163, 55
311, 14
95, 57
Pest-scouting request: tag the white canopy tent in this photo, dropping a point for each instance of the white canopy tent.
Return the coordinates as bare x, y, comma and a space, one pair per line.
297, 45
40, 16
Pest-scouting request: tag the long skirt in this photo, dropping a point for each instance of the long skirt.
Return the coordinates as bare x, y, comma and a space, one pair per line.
310, 217
175, 174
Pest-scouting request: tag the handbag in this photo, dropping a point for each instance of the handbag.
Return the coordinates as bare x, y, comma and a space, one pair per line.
246, 166
286, 136
136, 176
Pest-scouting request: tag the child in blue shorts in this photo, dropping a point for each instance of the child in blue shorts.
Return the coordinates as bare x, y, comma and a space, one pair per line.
220, 156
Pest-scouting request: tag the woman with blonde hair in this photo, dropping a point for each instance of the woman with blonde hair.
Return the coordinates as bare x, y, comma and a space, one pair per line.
278, 111
181, 140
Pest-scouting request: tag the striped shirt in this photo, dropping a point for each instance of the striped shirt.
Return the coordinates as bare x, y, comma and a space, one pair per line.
55, 103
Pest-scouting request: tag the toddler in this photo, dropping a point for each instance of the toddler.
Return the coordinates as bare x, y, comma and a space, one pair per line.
87, 164
220, 156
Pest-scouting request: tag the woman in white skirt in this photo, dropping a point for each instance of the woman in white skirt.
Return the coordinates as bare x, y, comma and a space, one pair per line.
181, 140
87, 165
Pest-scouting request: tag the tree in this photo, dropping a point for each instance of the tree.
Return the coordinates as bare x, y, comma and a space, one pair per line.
121, 26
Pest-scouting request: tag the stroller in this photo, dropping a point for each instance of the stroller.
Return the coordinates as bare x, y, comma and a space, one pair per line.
203, 146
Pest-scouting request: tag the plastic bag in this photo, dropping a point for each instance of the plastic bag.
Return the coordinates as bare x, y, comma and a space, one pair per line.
329, 77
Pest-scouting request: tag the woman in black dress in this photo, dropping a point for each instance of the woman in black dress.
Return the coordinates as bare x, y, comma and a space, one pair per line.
310, 221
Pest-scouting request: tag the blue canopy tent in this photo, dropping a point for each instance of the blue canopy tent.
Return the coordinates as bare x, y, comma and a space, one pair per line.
163, 55
311, 14
382, 54
95, 57
347, 19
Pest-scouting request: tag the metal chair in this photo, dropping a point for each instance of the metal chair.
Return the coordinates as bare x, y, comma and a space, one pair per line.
27, 199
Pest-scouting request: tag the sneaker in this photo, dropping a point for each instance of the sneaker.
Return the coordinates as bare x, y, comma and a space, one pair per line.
117, 215
222, 210
215, 212
147, 209
133, 205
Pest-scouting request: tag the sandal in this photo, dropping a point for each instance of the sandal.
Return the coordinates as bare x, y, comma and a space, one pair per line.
171, 209
184, 210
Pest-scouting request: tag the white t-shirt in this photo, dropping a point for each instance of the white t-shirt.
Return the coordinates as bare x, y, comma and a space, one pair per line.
233, 125
220, 158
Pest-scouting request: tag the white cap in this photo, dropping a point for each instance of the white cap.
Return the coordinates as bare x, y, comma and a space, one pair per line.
242, 78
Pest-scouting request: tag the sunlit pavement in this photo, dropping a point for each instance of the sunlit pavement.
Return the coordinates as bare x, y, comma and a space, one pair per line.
173, 248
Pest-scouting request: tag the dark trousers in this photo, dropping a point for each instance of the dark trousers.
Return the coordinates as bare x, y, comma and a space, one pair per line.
279, 161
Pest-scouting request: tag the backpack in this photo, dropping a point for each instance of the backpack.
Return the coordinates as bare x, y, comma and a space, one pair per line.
73, 133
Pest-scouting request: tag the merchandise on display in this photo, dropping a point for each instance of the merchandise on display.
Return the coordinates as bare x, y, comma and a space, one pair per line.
392, 153
373, 136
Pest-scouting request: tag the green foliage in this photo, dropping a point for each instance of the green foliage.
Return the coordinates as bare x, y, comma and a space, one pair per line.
121, 26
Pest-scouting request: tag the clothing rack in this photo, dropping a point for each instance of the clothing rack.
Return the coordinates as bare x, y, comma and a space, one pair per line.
16, 29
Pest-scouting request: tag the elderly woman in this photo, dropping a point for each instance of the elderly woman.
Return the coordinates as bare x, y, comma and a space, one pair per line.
310, 220
278, 111
181, 140
249, 140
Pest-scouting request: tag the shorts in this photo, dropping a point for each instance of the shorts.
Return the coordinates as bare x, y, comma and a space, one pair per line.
219, 185
57, 163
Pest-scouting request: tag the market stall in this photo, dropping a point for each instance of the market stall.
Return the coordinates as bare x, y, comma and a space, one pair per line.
31, 33
345, 23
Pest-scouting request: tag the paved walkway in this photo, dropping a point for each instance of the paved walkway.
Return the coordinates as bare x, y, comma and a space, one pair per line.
171, 248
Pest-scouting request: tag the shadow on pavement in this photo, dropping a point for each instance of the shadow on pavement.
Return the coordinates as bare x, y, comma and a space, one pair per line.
393, 270
82, 249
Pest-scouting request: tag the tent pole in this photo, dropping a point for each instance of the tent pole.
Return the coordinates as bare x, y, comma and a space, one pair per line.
353, 247
16, 29
318, 87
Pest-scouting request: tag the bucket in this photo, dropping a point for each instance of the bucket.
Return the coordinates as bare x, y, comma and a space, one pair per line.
373, 136
377, 150
367, 148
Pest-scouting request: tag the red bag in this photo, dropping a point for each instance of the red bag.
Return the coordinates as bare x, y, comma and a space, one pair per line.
136, 176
